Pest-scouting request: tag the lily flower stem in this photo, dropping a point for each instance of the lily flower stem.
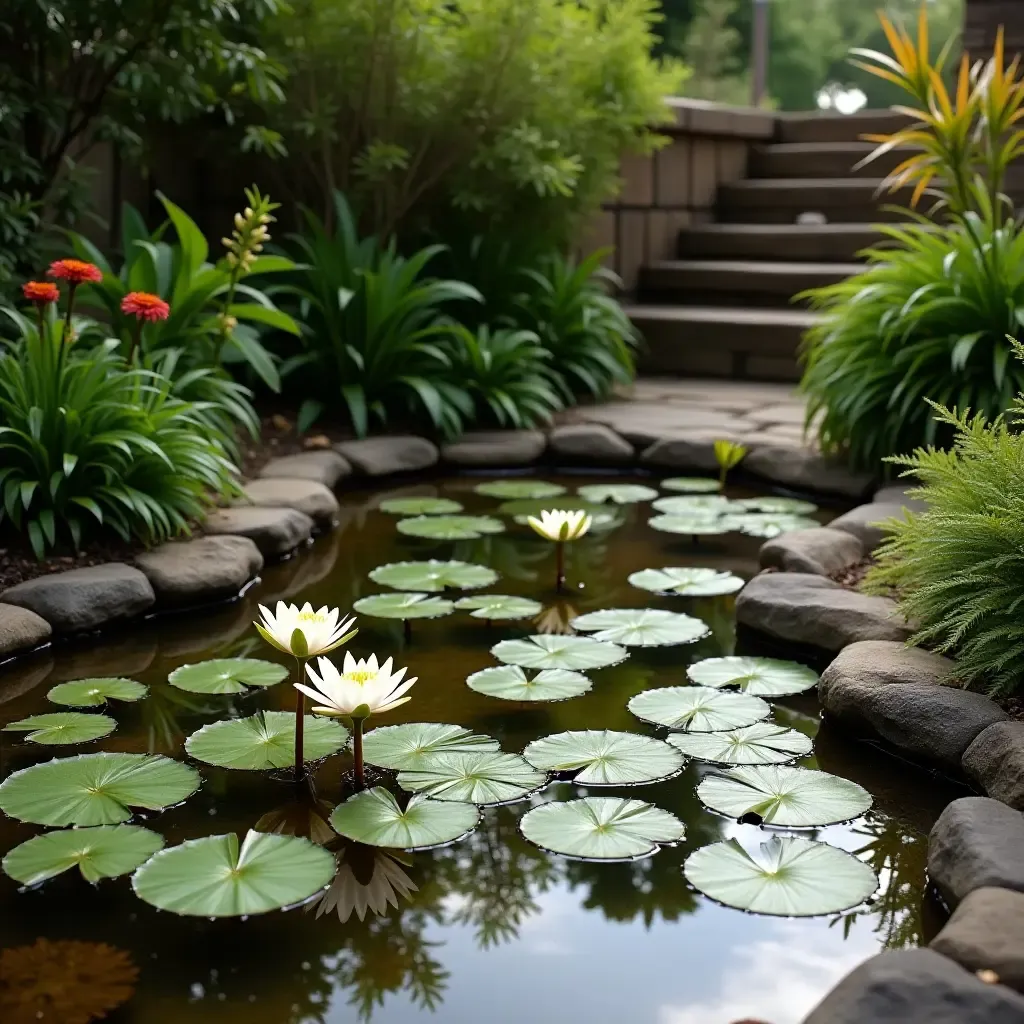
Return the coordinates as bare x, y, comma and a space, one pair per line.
407, 630
357, 753
560, 567
300, 722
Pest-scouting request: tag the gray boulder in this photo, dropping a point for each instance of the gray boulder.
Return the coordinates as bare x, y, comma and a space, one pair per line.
200, 571
814, 610
898, 494
21, 630
275, 531
819, 550
995, 761
863, 522
690, 450
590, 443
382, 456
326, 467
495, 448
976, 843
806, 470
916, 986
314, 499
83, 599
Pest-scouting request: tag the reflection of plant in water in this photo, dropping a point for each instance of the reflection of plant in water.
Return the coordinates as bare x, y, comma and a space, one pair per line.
305, 816
512, 558
719, 613
161, 710
556, 619
368, 878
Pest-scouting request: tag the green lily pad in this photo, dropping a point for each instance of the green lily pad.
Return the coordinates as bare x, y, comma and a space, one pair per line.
93, 693
784, 796
761, 677
264, 741
601, 828
64, 727
403, 606
450, 527
686, 582
374, 817
411, 746
642, 627
486, 778
761, 743
601, 757
433, 575
510, 682
212, 877
519, 489
791, 877
696, 524
420, 506
697, 708
495, 607
776, 505
102, 852
696, 504
227, 675
576, 653
770, 524
96, 789
691, 484
616, 494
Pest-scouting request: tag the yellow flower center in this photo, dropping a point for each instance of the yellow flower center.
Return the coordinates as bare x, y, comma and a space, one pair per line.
312, 617
361, 676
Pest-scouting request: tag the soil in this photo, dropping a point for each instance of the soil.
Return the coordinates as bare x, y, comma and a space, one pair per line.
853, 576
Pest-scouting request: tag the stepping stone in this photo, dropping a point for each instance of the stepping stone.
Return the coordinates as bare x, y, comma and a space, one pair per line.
805, 470
821, 551
308, 496
863, 521
897, 494
591, 443
200, 571
995, 761
495, 448
275, 531
692, 450
327, 467
644, 423
381, 456
21, 630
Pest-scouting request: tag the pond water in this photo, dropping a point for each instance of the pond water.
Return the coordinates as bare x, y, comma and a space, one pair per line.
490, 927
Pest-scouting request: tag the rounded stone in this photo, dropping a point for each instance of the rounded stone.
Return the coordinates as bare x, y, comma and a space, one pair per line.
864, 522
382, 456
201, 570
275, 531
820, 550
495, 448
308, 496
995, 761
21, 630
326, 467
806, 470
590, 443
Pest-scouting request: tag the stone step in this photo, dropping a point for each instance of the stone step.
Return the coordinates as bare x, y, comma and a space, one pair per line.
813, 242
818, 127
822, 160
783, 200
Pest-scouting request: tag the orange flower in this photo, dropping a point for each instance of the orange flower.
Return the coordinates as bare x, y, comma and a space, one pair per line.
75, 271
145, 306
42, 293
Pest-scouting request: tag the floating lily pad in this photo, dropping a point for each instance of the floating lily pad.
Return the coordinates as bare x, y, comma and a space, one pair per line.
64, 727
761, 743
227, 675
642, 627
411, 746
602, 517
600, 757
616, 494
519, 489
494, 607
696, 524
686, 582
510, 682
103, 852
450, 527
770, 524
698, 708
403, 606
212, 877
420, 506
761, 677
601, 828
96, 789
773, 504
784, 796
374, 817
576, 653
486, 778
790, 877
93, 693
691, 484
696, 504
265, 741
433, 575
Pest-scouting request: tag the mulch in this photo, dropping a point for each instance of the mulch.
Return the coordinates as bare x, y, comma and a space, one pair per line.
853, 576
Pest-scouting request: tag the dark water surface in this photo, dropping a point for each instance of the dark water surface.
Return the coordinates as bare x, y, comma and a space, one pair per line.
491, 928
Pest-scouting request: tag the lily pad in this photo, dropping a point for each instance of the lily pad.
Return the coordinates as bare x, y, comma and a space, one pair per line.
212, 877
698, 708
761, 743
791, 877
510, 682
784, 796
485, 778
761, 677
265, 741
494, 607
374, 817
519, 489
96, 789
403, 606
642, 627
616, 494
691, 484
64, 727
433, 575
420, 506
450, 527
576, 653
693, 504
227, 675
102, 852
412, 745
601, 828
93, 693
686, 582
600, 757
770, 524
696, 524
773, 504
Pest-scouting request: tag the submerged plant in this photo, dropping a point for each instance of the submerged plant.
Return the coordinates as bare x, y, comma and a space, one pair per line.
561, 526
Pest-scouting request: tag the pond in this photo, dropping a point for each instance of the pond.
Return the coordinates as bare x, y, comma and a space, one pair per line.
491, 926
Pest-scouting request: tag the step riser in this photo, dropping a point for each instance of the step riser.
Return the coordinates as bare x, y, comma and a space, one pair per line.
817, 128
698, 243
671, 281
731, 300
789, 213
825, 163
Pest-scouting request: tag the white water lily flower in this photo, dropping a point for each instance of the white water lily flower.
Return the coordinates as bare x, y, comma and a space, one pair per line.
561, 525
358, 684
320, 630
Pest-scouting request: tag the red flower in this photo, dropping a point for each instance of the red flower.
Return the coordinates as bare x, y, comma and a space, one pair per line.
75, 271
42, 293
145, 306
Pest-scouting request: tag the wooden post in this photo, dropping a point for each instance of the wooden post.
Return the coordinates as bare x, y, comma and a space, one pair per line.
759, 56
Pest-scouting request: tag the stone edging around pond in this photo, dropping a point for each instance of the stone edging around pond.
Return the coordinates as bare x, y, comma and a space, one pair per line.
880, 689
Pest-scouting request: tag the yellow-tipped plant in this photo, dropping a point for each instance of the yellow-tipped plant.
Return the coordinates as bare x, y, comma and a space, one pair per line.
728, 455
